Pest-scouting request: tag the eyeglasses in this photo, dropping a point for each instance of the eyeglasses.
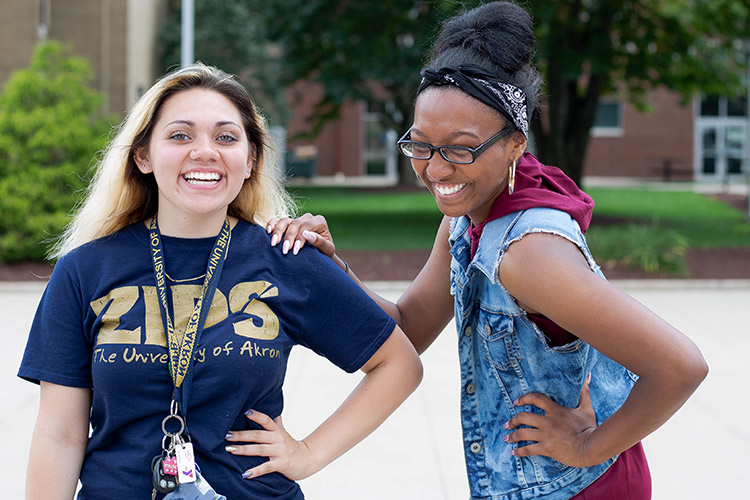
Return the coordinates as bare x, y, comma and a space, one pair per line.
454, 154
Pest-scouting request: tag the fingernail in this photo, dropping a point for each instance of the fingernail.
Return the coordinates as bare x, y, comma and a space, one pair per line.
285, 248
513, 452
506, 425
274, 240
515, 402
247, 474
248, 413
297, 246
229, 435
310, 236
588, 378
268, 228
230, 448
506, 438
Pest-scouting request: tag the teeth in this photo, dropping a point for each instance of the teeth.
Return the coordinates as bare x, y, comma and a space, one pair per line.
445, 190
202, 177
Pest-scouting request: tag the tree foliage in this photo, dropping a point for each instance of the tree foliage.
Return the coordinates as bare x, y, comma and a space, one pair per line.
51, 127
586, 49
231, 35
369, 51
591, 48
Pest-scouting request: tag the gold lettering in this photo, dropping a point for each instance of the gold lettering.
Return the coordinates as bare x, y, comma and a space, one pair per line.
247, 347
111, 308
154, 327
245, 297
184, 298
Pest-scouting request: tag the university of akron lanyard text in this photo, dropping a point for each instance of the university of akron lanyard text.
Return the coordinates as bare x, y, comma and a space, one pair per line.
181, 352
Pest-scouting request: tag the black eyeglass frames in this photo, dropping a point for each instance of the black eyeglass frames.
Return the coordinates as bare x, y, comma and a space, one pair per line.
454, 154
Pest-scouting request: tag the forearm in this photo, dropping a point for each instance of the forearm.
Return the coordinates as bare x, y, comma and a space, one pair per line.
378, 395
53, 469
58, 443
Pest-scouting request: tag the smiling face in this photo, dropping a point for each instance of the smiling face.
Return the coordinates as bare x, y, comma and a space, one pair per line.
449, 117
200, 156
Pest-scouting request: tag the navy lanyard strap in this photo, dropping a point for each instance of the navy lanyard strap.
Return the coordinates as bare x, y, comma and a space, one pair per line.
181, 351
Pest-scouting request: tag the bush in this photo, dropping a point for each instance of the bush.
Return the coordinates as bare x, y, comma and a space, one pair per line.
51, 127
640, 246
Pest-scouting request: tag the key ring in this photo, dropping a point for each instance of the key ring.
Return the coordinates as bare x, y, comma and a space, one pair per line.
164, 425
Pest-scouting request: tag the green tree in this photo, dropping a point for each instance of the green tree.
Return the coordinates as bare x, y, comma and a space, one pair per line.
591, 48
369, 51
586, 49
231, 35
51, 127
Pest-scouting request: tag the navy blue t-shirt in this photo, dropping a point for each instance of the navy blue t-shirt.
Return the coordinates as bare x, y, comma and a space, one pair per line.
98, 326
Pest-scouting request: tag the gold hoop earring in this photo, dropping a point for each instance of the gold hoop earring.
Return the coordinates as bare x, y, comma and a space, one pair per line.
512, 178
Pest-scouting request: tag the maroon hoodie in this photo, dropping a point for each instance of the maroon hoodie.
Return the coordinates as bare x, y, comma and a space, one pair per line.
540, 186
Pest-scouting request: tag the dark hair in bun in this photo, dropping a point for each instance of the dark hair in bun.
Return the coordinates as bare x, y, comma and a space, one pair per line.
497, 36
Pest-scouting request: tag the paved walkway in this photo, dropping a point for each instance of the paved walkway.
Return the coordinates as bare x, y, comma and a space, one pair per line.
702, 452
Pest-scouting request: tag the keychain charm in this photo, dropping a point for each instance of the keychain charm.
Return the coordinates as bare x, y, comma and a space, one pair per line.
185, 463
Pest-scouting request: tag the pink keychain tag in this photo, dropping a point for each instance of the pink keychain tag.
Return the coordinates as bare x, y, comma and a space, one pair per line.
169, 465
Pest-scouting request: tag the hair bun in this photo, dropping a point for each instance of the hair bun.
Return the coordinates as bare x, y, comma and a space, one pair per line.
498, 36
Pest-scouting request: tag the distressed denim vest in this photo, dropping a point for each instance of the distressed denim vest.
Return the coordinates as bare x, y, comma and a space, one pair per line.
504, 355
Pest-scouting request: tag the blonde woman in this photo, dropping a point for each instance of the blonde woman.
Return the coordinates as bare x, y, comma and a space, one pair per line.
167, 323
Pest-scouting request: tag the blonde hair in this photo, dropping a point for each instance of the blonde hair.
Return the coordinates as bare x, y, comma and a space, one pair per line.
120, 194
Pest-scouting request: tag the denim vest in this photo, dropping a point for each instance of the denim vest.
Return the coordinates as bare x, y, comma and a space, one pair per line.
504, 355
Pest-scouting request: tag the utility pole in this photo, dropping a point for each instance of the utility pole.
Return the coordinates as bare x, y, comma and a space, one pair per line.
187, 39
746, 43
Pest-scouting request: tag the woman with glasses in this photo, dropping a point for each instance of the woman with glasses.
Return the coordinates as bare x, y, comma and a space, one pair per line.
562, 374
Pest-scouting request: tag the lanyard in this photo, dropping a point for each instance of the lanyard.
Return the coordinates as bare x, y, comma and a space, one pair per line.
181, 352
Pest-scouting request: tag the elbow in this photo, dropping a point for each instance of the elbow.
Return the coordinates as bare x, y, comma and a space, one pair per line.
699, 371
415, 373
692, 370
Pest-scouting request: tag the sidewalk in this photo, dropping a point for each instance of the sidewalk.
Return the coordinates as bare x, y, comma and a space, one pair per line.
700, 453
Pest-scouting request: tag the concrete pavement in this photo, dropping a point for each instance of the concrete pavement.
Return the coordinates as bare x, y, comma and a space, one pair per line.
702, 452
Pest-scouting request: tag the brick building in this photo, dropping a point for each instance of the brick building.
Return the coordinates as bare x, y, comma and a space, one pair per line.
703, 139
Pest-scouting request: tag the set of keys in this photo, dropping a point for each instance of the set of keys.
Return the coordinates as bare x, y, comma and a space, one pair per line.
174, 471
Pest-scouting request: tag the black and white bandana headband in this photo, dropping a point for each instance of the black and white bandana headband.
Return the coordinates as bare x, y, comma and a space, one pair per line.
478, 83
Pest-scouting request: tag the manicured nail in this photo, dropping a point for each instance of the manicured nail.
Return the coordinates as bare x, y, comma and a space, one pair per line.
506, 438
297, 245
588, 378
274, 240
230, 448
506, 425
513, 452
229, 435
285, 248
248, 413
515, 402
247, 474
310, 236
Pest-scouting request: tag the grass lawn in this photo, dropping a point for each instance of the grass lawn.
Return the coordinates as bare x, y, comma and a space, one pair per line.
368, 219
388, 219
703, 221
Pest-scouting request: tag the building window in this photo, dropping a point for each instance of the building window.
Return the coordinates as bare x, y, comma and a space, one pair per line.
380, 153
723, 145
608, 119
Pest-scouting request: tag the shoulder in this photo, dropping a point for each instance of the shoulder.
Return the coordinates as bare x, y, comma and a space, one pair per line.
116, 248
545, 220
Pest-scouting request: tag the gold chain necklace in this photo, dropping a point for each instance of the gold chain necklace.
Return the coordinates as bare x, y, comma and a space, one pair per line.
187, 280
183, 280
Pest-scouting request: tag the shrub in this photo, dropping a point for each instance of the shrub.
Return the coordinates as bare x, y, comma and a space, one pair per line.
51, 127
651, 247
